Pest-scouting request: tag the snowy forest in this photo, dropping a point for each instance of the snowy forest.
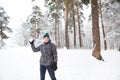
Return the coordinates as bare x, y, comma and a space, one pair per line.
86, 34
67, 25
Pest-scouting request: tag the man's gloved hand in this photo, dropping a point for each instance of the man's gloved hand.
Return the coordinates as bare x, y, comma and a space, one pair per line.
31, 42
54, 65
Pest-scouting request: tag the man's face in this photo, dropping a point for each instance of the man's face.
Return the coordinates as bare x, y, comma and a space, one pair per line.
46, 39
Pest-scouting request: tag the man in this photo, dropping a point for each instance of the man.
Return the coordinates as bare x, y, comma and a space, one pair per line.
48, 60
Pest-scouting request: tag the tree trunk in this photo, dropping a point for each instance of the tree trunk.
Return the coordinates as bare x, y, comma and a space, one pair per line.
105, 42
55, 30
74, 24
35, 31
1, 35
80, 39
95, 29
66, 25
58, 37
1, 30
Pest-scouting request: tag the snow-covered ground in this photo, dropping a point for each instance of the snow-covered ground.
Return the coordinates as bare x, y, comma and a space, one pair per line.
22, 64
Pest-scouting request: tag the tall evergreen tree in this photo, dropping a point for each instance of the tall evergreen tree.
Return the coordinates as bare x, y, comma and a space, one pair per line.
4, 20
36, 20
54, 14
95, 30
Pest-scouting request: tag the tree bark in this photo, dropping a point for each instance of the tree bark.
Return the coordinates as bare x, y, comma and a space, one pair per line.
58, 37
80, 39
55, 30
1, 35
105, 42
95, 30
66, 25
35, 31
74, 24
1, 29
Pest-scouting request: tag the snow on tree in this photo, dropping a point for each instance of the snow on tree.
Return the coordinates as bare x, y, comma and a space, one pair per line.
111, 18
33, 27
4, 20
36, 20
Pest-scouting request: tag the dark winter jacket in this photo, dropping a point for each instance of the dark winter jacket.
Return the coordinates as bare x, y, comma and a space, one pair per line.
48, 53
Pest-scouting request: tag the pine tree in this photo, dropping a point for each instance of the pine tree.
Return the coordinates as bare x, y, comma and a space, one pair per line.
4, 20
36, 20
95, 30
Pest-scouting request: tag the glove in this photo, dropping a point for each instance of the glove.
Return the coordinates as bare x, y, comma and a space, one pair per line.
31, 41
54, 65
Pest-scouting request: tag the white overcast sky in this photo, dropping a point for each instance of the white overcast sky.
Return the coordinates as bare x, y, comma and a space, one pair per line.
18, 10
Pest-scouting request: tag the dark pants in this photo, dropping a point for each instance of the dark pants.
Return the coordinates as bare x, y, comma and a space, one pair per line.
50, 71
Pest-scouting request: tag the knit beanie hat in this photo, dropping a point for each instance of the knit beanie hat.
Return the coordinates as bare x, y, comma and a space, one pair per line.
45, 35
